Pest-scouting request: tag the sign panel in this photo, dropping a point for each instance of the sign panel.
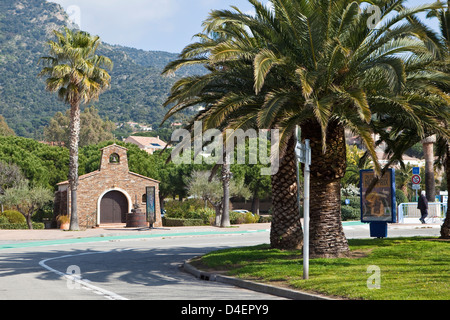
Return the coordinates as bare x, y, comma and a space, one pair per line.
416, 186
416, 179
416, 170
151, 204
303, 153
379, 203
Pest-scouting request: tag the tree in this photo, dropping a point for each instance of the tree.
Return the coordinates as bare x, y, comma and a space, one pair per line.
93, 129
444, 63
77, 74
313, 64
27, 200
211, 190
428, 147
10, 176
5, 130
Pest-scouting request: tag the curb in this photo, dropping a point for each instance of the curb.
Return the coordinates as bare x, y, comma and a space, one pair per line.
251, 285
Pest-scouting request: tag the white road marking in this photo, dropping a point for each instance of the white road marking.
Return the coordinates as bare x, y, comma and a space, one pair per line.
84, 283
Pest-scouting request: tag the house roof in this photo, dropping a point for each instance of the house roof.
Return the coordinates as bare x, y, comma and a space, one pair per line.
84, 176
149, 142
98, 171
114, 145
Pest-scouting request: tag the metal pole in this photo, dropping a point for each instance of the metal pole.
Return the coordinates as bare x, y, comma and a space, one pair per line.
297, 132
306, 177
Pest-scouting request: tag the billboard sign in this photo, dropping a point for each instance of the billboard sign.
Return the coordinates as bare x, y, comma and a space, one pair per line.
378, 205
151, 204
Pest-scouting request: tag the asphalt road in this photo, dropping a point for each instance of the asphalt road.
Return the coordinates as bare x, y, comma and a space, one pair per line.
135, 269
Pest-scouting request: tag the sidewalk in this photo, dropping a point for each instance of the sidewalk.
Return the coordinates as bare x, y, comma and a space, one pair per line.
119, 231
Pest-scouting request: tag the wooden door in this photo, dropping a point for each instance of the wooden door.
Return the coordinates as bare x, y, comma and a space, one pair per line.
113, 207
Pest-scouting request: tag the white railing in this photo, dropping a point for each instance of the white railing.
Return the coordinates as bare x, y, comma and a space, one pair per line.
408, 212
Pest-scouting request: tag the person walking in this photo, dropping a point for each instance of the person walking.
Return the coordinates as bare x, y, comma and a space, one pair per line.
422, 205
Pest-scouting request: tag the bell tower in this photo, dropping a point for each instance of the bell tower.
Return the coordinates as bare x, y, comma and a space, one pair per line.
114, 158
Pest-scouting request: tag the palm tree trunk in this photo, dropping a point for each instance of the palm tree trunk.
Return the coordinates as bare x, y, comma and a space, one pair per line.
286, 229
73, 163
445, 228
226, 176
430, 188
327, 238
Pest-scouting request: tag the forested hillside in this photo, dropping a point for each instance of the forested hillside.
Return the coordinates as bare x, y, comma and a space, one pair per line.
137, 89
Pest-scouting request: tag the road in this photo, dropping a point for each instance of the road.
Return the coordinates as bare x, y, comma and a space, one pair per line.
135, 268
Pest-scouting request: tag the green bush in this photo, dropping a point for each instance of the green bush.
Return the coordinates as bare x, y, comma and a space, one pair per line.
400, 196
3, 220
21, 226
265, 219
188, 209
350, 213
355, 202
208, 215
14, 216
174, 222
243, 218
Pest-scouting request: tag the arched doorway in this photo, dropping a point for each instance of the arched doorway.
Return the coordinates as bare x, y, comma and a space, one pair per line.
113, 207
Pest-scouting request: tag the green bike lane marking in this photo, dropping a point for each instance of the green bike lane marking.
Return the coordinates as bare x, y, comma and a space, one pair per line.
43, 243
112, 238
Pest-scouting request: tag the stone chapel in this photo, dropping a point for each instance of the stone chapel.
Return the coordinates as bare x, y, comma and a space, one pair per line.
105, 196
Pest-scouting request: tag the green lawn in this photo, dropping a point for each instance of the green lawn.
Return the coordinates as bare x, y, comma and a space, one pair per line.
410, 269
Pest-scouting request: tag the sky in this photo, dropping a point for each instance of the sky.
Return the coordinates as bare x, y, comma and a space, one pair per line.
156, 25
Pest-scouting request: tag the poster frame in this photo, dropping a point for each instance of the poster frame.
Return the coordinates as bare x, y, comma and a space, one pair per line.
150, 193
393, 215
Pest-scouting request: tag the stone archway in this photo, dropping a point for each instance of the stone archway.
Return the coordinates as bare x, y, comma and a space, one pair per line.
113, 207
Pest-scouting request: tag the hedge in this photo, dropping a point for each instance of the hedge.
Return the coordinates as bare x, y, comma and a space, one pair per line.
176, 222
20, 226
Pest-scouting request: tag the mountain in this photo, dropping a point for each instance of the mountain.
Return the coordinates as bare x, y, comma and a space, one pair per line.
137, 87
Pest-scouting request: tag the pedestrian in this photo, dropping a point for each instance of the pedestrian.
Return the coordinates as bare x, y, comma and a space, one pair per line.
422, 205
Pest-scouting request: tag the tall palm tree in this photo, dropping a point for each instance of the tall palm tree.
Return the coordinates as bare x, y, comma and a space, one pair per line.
443, 64
428, 152
315, 64
78, 75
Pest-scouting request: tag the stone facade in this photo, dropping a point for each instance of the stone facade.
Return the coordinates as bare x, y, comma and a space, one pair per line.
113, 175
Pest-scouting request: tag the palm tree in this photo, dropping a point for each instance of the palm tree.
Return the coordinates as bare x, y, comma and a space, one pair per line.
443, 144
77, 74
315, 64
428, 151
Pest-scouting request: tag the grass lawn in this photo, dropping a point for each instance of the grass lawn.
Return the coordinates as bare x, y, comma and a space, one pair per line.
409, 268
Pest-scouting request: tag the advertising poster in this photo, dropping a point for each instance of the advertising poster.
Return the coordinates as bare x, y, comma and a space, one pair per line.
151, 203
379, 204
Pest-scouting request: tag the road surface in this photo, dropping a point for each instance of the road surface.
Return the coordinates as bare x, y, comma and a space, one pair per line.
133, 268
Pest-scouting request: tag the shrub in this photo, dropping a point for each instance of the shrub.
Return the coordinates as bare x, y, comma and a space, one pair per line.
14, 216
243, 218
174, 222
400, 197
184, 209
355, 202
208, 216
20, 226
350, 213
